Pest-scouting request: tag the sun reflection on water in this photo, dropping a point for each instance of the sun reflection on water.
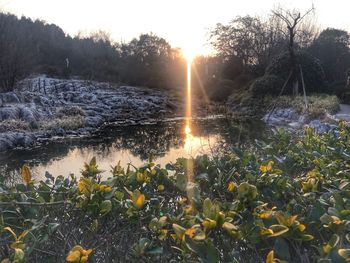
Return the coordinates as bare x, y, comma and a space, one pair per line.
189, 139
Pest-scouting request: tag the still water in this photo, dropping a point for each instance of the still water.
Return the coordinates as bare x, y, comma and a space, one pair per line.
166, 141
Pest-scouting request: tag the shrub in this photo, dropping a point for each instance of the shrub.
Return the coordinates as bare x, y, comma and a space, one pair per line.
287, 200
266, 85
220, 90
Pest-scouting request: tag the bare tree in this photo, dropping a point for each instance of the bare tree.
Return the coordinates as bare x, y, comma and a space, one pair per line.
292, 19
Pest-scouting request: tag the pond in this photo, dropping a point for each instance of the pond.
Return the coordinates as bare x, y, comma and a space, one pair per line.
165, 141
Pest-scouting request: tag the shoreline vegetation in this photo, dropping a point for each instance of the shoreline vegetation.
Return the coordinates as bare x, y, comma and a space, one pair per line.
287, 199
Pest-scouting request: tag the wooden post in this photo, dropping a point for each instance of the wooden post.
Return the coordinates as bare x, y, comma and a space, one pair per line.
281, 92
304, 90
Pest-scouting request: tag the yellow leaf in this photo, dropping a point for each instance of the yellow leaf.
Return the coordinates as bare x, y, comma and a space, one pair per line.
266, 231
78, 248
9, 229
268, 167
26, 174
263, 168
301, 227
327, 248
190, 232
231, 186
160, 187
84, 185
17, 244
108, 189
270, 257
209, 223
138, 199
73, 256
266, 214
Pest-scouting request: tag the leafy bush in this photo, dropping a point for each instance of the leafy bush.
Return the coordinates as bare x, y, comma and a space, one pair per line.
266, 85
286, 201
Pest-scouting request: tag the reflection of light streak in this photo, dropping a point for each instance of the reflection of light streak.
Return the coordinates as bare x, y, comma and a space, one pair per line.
188, 97
189, 137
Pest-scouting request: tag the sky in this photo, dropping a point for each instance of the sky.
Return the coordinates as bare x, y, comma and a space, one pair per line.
183, 23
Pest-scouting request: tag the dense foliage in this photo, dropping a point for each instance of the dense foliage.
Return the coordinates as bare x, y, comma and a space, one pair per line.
36, 47
314, 76
286, 201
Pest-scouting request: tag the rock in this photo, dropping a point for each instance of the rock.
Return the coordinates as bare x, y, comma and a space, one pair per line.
319, 127
284, 117
94, 121
58, 132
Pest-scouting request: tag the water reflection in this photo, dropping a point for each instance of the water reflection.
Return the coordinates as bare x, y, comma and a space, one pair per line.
134, 144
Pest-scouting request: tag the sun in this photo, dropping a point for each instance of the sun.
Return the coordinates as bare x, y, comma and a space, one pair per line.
189, 52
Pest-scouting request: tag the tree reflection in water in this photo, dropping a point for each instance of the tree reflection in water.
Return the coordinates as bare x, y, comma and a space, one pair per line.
165, 141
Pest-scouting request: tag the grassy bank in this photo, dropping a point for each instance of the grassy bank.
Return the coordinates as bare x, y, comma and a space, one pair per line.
288, 200
318, 104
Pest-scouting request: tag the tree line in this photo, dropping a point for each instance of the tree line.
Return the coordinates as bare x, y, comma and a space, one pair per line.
252, 54
258, 55
35, 47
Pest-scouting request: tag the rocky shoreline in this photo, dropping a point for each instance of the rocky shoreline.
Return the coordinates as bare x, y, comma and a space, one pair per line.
42, 108
290, 118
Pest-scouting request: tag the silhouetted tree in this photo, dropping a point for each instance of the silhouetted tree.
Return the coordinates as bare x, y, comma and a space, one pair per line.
332, 49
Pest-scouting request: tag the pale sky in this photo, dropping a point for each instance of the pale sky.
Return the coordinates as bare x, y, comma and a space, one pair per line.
183, 23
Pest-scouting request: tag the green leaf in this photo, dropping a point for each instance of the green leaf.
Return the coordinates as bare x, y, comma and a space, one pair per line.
333, 242
282, 249
119, 195
205, 251
105, 207
52, 227
155, 251
181, 181
193, 192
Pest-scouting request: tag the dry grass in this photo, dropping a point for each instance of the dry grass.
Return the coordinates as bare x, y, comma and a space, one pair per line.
14, 125
70, 111
318, 105
67, 123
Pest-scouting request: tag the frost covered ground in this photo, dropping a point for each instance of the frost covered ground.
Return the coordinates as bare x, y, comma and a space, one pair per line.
42, 107
290, 118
